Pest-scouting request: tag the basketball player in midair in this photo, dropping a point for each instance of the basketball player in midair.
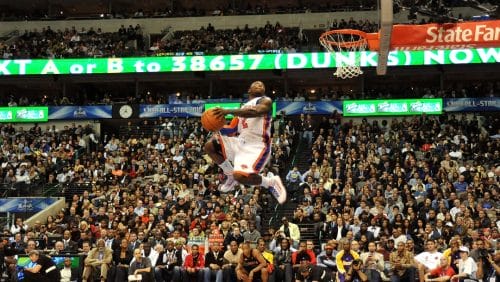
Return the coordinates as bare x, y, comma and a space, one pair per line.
246, 144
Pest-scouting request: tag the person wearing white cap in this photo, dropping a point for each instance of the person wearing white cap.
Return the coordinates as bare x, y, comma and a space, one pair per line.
467, 267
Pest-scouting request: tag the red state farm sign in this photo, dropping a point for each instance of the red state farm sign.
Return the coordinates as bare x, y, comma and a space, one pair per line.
482, 34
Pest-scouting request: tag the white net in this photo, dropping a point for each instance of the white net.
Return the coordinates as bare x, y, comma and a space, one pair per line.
345, 41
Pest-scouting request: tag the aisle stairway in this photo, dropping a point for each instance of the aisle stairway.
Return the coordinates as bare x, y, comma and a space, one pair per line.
275, 213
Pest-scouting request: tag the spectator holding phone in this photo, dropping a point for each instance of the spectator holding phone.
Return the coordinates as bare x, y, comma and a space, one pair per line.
355, 272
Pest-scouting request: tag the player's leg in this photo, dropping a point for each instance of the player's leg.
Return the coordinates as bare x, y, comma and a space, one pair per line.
220, 149
249, 162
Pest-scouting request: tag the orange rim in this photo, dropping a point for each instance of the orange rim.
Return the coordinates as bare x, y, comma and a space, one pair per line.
326, 38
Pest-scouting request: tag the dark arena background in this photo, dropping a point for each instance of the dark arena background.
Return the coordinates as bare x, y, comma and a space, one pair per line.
385, 133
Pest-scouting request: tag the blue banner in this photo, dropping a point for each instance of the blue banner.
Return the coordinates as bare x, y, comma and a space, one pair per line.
312, 108
18, 205
80, 112
171, 110
488, 104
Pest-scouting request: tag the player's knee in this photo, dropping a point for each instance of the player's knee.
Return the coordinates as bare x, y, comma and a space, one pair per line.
240, 177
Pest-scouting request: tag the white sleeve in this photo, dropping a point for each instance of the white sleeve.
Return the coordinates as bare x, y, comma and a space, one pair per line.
469, 266
420, 258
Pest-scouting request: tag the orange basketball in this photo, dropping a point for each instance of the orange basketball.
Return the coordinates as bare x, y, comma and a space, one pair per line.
211, 122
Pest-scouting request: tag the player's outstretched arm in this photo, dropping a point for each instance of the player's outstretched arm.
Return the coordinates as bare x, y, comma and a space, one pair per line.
261, 109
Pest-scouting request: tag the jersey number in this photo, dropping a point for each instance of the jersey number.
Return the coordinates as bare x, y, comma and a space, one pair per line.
244, 123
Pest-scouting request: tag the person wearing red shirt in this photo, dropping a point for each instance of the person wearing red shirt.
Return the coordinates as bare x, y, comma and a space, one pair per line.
303, 254
444, 272
194, 266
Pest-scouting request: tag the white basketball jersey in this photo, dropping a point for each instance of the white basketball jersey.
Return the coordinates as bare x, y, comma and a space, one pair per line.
257, 128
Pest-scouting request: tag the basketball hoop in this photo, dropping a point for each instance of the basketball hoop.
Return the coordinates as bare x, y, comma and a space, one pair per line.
345, 40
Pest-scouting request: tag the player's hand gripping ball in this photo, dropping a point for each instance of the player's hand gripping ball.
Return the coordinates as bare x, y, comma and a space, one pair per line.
212, 119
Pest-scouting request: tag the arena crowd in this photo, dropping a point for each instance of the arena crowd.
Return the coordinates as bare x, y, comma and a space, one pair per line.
381, 198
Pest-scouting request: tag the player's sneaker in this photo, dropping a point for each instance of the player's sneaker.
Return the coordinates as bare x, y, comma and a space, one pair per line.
228, 186
278, 190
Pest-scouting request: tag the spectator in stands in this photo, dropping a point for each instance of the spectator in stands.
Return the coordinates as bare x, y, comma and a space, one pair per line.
18, 227
97, 262
194, 265
402, 264
373, 262
467, 267
141, 266
231, 260
214, 260
291, 231
69, 273
327, 260
252, 234
443, 272
428, 260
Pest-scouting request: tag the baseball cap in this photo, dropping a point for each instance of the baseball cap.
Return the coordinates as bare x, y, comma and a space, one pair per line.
463, 249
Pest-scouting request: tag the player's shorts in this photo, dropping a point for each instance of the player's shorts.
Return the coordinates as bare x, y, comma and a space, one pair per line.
248, 157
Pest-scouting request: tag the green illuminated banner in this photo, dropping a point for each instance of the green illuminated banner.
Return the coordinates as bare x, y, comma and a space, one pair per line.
244, 62
233, 106
24, 114
392, 107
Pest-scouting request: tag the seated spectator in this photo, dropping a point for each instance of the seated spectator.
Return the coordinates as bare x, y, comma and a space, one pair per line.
121, 259
283, 260
327, 260
467, 267
214, 260
231, 260
402, 264
303, 256
373, 263
166, 268
141, 266
443, 272
291, 231
97, 262
252, 234
429, 259
194, 266
68, 273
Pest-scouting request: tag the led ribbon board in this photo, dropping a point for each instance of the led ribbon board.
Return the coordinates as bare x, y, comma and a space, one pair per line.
243, 62
24, 114
392, 107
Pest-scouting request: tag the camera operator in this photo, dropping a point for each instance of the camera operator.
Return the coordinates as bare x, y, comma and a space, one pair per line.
355, 273
488, 266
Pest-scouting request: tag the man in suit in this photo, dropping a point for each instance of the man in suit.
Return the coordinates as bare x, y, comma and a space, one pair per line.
214, 260
68, 273
166, 268
157, 239
98, 261
134, 243
109, 238
69, 245
364, 231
